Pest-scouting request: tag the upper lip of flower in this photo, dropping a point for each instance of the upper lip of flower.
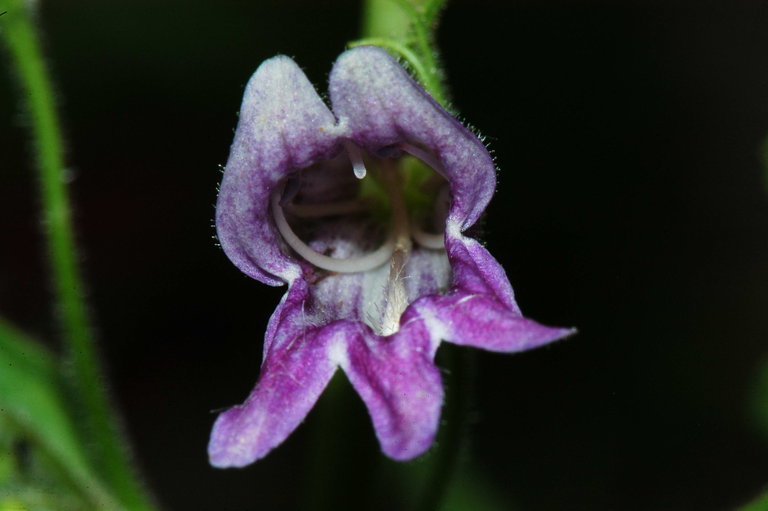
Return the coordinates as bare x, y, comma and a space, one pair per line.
285, 126
461, 295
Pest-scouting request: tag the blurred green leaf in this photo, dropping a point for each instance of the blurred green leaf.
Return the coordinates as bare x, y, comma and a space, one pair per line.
39, 496
471, 492
759, 504
32, 402
107, 451
7, 459
758, 410
759, 400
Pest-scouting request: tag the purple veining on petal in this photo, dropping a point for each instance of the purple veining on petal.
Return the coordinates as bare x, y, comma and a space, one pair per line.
480, 310
297, 367
383, 106
476, 271
429, 272
477, 320
400, 385
340, 296
284, 126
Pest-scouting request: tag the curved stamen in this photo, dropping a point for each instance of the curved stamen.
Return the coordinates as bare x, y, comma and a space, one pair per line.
422, 155
435, 241
427, 239
356, 157
329, 208
347, 265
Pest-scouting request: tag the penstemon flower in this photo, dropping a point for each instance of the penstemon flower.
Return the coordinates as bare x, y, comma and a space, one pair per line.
361, 211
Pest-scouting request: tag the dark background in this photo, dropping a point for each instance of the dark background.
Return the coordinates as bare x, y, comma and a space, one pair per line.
631, 204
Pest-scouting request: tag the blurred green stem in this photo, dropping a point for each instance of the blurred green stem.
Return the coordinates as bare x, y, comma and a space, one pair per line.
108, 453
459, 368
760, 503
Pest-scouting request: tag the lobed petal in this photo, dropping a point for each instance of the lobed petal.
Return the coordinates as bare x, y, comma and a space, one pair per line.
480, 321
480, 310
400, 385
382, 106
475, 270
299, 361
288, 388
284, 126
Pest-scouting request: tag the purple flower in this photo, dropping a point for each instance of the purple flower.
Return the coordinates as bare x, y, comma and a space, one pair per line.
361, 211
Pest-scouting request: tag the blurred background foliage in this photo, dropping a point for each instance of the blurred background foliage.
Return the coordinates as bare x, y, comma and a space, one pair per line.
631, 204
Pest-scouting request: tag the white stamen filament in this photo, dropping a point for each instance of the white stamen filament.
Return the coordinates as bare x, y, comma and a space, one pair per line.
346, 265
356, 157
423, 156
428, 239
435, 241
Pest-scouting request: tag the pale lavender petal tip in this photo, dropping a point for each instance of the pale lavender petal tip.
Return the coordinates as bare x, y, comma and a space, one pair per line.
382, 105
292, 379
283, 126
478, 321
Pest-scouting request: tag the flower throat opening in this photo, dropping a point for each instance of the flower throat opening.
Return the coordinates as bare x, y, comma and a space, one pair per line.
407, 187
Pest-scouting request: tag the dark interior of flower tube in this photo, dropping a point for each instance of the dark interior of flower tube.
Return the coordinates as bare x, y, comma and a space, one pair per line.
382, 218
354, 212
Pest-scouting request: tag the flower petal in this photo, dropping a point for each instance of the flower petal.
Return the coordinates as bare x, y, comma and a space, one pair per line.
477, 320
400, 385
288, 388
381, 105
283, 126
299, 362
480, 310
475, 270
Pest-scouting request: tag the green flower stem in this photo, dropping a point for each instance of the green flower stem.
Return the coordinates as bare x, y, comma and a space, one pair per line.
425, 43
386, 19
396, 48
406, 29
32, 403
108, 453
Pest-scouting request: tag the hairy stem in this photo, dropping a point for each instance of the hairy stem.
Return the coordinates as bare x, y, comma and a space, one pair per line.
459, 366
108, 451
406, 28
